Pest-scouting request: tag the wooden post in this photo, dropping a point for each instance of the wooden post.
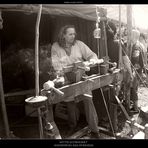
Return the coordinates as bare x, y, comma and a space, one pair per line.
105, 39
4, 126
120, 50
37, 67
113, 109
113, 114
37, 52
128, 52
4, 123
129, 29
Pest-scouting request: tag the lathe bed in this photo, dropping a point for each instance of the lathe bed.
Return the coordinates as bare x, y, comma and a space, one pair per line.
82, 87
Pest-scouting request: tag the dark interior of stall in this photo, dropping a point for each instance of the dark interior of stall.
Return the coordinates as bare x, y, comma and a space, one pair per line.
18, 47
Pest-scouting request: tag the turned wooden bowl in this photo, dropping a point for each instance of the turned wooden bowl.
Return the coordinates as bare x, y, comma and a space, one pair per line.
36, 101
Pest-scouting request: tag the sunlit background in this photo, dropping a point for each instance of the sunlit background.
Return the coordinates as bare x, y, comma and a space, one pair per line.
140, 16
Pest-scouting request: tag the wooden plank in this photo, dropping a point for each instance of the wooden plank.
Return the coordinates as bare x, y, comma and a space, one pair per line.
20, 93
84, 131
3, 113
105, 131
140, 127
79, 134
83, 87
129, 29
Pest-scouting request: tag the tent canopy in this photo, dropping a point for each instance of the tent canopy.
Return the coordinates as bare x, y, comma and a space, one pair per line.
86, 11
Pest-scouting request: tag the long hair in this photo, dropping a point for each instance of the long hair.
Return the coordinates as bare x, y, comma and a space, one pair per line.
61, 39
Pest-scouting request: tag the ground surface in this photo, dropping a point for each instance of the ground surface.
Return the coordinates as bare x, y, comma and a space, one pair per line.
129, 131
143, 96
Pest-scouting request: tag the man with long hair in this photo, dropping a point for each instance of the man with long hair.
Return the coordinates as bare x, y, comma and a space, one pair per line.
66, 51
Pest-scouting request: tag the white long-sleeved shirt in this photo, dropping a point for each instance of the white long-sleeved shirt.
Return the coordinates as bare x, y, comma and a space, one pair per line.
79, 52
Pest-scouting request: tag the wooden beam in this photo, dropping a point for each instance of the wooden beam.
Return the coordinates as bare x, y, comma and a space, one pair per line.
4, 118
37, 51
120, 64
129, 29
79, 133
20, 93
85, 130
138, 126
37, 66
83, 87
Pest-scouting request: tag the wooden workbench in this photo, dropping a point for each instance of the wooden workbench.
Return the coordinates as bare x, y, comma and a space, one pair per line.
82, 87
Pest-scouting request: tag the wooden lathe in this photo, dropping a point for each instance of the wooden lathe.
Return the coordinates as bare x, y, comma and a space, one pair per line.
87, 84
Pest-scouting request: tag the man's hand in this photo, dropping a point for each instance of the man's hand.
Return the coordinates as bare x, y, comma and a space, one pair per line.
91, 62
86, 65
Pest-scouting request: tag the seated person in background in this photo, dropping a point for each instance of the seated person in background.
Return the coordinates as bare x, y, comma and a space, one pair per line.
64, 52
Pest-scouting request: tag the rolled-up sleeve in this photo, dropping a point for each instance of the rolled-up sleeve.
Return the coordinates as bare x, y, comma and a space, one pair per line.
86, 52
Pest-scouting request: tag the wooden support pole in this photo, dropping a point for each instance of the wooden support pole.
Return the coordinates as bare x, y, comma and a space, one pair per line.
120, 50
3, 106
129, 29
113, 109
4, 126
37, 67
105, 40
37, 51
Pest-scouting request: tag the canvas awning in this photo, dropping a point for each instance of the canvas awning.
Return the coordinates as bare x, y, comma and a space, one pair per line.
85, 11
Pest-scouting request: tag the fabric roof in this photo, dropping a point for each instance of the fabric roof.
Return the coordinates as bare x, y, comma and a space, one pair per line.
85, 11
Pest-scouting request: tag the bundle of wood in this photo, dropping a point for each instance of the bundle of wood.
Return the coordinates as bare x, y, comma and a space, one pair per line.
19, 68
